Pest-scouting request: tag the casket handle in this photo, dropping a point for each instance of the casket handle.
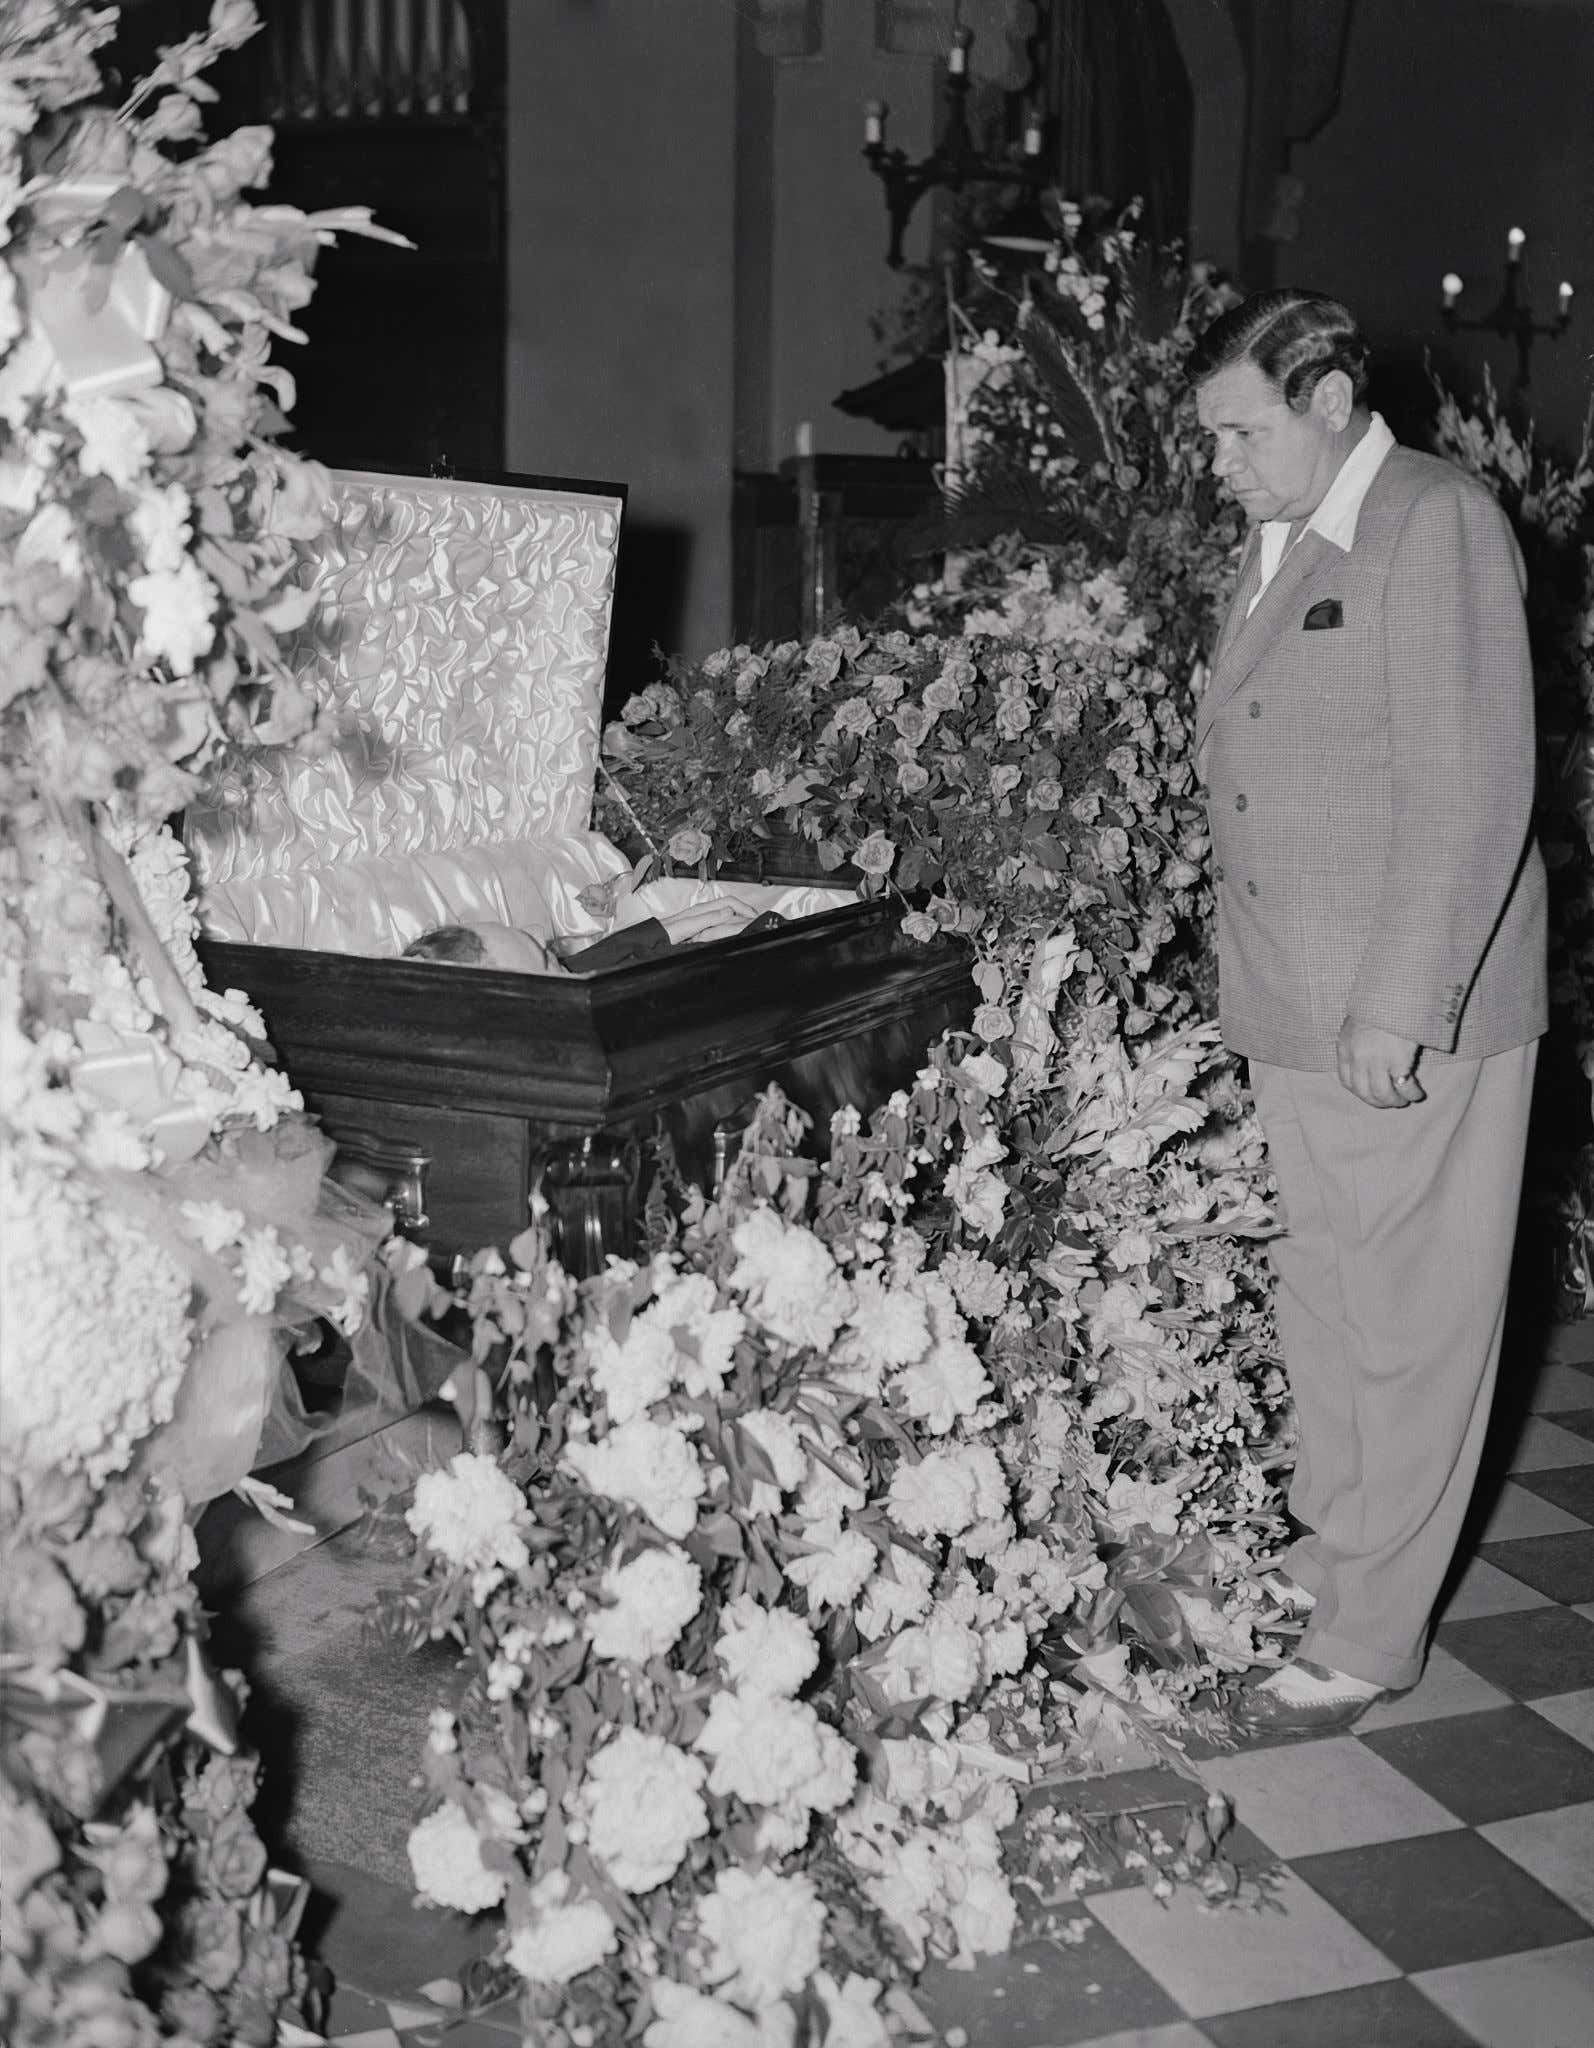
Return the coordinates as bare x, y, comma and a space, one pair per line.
390, 1170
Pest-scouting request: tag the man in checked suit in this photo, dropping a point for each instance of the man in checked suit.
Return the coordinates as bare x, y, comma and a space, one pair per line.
1366, 739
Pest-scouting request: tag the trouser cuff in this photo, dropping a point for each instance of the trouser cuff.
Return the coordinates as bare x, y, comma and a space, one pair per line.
1378, 1667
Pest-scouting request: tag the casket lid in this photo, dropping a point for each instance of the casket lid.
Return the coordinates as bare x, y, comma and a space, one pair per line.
457, 645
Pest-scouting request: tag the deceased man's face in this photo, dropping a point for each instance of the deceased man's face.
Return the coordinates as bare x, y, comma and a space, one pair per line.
507, 947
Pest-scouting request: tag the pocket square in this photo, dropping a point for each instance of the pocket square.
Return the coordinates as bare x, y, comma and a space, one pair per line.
1327, 613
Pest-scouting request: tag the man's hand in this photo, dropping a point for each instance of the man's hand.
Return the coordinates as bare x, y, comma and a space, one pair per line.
1379, 1065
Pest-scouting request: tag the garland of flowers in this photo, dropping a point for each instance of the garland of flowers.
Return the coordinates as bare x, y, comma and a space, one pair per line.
863, 1503
162, 1209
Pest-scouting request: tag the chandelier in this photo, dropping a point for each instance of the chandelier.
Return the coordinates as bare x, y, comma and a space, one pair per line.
956, 161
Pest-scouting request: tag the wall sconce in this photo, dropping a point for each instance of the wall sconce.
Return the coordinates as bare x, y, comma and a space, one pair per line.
955, 161
1511, 317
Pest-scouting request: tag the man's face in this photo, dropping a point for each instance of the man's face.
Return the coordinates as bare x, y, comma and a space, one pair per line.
1278, 463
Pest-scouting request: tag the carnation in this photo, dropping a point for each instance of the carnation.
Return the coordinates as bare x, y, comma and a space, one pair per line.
764, 1932
835, 1567
178, 606
980, 1287
472, 1515
445, 1855
771, 1752
939, 1659
652, 1465
948, 1490
949, 1382
776, 1435
642, 1798
898, 1593
705, 1334
564, 1937
887, 1326
633, 1374
684, 2018
767, 1650
790, 1280
654, 1597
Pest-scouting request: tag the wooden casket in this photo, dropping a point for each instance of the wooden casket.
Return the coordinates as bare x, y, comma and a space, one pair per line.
458, 644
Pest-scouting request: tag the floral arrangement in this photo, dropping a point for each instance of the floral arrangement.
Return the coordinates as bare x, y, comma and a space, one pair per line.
1034, 797
163, 1211
872, 1497
1551, 506
1069, 455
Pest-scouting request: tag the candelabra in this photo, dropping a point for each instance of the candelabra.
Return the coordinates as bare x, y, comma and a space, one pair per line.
1511, 317
956, 160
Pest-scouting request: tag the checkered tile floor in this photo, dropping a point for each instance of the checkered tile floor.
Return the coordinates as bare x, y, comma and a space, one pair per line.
1437, 1865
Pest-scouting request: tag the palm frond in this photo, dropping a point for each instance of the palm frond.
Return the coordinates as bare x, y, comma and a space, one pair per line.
1066, 387
1000, 497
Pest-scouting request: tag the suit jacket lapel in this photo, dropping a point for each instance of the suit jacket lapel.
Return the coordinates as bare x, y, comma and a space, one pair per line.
1246, 639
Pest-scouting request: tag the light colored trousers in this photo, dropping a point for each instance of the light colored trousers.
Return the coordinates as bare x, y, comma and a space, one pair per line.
1391, 1297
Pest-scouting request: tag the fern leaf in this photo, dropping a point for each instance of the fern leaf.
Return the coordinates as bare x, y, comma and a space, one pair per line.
1066, 387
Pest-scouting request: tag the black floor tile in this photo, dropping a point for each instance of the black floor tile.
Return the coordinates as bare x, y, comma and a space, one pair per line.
1541, 1650
1044, 2001
1568, 1486
1560, 1567
1371, 2016
1579, 1420
1440, 1899
1491, 1766
374, 1939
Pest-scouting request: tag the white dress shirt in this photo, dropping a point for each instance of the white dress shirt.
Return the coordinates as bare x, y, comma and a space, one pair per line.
1335, 518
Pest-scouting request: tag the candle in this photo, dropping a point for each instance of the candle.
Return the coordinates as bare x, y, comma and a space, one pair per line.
1450, 285
1513, 245
1564, 300
874, 124
957, 58
805, 437
1034, 135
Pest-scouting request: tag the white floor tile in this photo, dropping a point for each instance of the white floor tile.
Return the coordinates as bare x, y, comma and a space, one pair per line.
1541, 1999
1542, 1445
1517, 1512
1485, 1589
1215, 1960
1447, 1687
1556, 1847
1306, 1798
1571, 1712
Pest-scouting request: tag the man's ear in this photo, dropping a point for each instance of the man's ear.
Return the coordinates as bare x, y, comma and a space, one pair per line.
1334, 400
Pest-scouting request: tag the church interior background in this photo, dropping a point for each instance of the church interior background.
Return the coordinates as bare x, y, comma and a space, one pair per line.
650, 264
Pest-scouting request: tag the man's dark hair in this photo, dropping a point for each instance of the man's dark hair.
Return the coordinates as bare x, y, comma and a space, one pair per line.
455, 944
1294, 338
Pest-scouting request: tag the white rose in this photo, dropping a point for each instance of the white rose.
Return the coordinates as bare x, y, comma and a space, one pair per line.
764, 1649
641, 1798
654, 1597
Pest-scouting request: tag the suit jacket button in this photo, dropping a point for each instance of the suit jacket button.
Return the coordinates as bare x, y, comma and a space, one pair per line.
1251, 889
1240, 803
1254, 708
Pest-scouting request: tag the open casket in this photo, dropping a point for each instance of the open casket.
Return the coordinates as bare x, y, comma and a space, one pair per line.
458, 644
